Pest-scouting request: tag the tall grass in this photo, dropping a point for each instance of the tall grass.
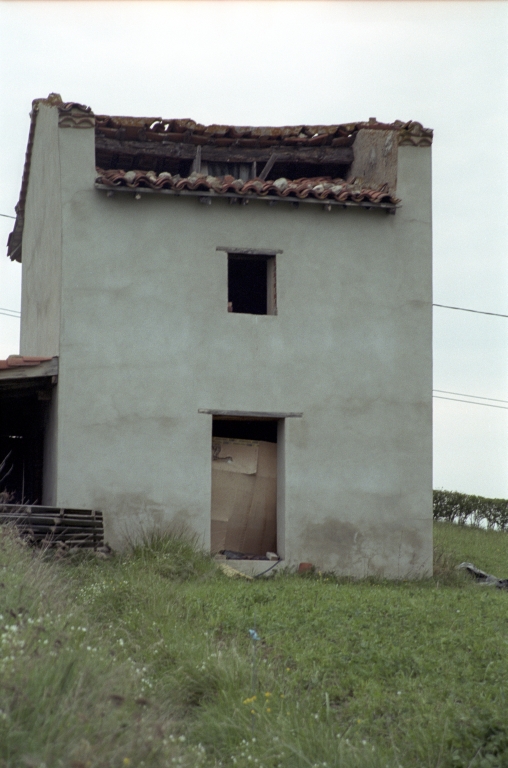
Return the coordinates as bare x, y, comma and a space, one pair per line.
487, 549
343, 674
67, 696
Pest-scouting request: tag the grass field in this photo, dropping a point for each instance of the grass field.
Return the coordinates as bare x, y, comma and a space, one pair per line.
147, 660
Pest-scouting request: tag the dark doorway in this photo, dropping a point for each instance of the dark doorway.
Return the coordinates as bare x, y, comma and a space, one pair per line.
23, 412
244, 487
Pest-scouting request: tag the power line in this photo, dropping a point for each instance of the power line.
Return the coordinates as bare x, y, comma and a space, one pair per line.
445, 391
486, 405
14, 311
476, 311
6, 216
463, 394
15, 317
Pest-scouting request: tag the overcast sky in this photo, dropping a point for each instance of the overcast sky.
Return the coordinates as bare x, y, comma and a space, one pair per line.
444, 64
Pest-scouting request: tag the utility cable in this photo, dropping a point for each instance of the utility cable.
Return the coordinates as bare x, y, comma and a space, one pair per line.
463, 394
16, 317
486, 405
6, 216
476, 311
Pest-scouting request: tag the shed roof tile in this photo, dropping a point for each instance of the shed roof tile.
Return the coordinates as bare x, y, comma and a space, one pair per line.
20, 361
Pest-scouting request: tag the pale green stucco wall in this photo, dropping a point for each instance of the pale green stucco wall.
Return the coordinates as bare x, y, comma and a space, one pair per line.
42, 243
146, 341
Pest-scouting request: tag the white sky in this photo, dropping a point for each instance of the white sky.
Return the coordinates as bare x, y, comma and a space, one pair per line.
444, 64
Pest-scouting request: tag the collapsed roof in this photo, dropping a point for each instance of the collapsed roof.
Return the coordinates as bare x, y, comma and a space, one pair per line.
328, 163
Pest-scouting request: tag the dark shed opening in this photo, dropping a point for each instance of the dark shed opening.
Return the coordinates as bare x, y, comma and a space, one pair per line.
24, 407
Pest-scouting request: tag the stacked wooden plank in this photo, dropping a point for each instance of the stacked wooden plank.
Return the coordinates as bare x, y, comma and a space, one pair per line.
54, 526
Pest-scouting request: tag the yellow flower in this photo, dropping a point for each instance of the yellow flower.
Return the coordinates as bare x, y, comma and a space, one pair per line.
282, 696
268, 709
249, 701
268, 694
253, 711
126, 761
288, 669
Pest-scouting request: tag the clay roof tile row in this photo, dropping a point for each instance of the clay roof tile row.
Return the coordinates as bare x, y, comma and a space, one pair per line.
321, 187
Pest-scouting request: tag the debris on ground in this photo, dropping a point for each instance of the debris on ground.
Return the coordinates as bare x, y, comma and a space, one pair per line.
485, 579
232, 572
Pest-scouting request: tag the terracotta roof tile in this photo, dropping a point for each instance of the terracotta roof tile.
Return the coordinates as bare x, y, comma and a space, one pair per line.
150, 130
20, 361
321, 187
158, 129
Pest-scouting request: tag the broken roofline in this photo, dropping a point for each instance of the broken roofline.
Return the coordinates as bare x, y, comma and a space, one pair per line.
288, 136
145, 130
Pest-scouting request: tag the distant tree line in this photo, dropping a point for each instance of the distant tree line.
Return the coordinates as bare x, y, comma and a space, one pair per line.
471, 510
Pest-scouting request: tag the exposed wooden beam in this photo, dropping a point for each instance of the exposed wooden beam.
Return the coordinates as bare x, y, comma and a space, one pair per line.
196, 164
209, 152
268, 166
269, 199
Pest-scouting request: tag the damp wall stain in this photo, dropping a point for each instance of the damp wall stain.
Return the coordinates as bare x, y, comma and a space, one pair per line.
387, 549
129, 518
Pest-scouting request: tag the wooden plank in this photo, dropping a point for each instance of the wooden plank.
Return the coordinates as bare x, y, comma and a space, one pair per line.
40, 533
37, 509
56, 522
269, 199
232, 154
196, 163
254, 414
268, 167
250, 251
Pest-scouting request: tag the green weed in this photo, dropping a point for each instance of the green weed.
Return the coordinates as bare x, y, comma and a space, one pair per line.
67, 697
344, 674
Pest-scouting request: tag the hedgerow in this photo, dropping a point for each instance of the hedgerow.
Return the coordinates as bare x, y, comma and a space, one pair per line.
462, 508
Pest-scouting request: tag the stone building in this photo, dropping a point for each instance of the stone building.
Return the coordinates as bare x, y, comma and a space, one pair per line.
249, 298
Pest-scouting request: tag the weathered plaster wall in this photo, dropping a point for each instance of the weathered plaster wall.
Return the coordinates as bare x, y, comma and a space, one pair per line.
42, 270
147, 340
42, 245
50, 454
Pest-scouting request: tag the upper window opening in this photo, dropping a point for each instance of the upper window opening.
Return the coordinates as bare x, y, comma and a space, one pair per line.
251, 284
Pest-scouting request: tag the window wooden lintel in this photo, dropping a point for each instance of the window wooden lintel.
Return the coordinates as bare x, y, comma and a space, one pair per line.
258, 252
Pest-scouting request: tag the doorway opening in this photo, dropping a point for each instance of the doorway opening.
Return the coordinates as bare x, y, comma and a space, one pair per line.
23, 415
245, 487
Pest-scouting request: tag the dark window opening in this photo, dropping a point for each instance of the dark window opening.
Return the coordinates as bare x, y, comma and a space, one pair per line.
251, 284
